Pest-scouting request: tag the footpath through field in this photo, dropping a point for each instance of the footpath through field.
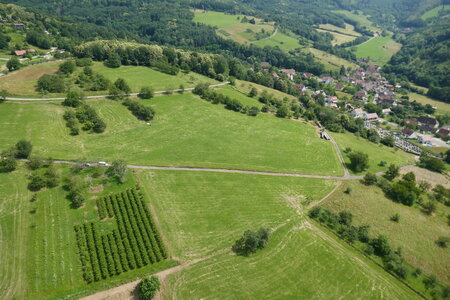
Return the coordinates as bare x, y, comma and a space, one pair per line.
106, 96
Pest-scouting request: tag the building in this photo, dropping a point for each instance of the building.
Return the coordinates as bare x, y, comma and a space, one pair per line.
425, 139
444, 132
20, 52
370, 117
265, 65
18, 25
300, 87
361, 95
289, 72
275, 75
358, 113
386, 111
409, 134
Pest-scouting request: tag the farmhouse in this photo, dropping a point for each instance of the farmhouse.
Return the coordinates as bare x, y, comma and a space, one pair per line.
339, 86
361, 95
265, 65
444, 131
386, 111
289, 72
370, 117
18, 25
386, 99
358, 113
275, 75
326, 79
300, 87
409, 134
20, 52
425, 139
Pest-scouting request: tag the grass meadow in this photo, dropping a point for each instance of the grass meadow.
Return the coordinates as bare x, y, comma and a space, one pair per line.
298, 258
415, 233
187, 131
360, 18
379, 49
376, 152
441, 106
341, 35
331, 61
23, 83
435, 12
281, 40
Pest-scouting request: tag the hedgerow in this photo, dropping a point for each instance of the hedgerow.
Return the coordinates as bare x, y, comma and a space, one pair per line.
135, 243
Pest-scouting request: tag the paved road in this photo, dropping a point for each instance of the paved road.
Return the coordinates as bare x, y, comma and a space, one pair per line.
105, 96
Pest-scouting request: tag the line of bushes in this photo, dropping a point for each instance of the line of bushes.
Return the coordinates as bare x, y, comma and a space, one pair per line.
208, 94
139, 110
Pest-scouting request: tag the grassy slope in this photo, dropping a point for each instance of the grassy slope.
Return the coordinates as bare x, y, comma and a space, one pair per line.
38, 250
281, 40
218, 19
341, 35
441, 106
331, 61
23, 82
360, 18
379, 49
297, 260
416, 233
376, 153
237, 94
187, 131
246, 86
434, 12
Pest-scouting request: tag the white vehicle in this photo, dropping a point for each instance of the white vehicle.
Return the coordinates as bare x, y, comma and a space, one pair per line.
102, 163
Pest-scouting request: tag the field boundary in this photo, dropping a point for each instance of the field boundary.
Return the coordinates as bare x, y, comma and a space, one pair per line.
106, 96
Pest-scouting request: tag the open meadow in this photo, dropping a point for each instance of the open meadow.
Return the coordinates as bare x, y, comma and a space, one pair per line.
416, 232
23, 83
298, 258
187, 131
378, 49
441, 106
330, 61
377, 153
341, 35
432, 13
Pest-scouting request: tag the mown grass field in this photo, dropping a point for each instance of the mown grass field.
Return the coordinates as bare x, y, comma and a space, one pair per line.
331, 61
230, 26
281, 40
237, 94
23, 83
187, 131
379, 49
246, 86
360, 18
435, 12
341, 35
376, 152
39, 258
298, 258
415, 233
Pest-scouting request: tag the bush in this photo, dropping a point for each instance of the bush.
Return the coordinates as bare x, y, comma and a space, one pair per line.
348, 190
67, 67
35, 162
37, 182
395, 218
51, 84
122, 85
148, 287
139, 110
359, 161
443, 241
83, 62
146, 93
392, 172
370, 179
23, 149
73, 99
113, 60
251, 241
7, 164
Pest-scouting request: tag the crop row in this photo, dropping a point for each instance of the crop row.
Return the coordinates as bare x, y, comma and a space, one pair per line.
135, 243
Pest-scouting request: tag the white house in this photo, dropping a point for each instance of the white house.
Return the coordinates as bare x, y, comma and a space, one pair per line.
358, 113
370, 116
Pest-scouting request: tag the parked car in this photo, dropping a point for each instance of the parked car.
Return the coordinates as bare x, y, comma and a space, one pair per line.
102, 163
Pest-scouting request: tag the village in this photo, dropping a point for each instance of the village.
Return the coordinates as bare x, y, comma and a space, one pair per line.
412, 135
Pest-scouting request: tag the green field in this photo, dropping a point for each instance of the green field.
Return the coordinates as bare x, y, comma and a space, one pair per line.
331, 61
379, 49
341, 35
37, 245
441, 106
299, 256
187, 131
230, 26
281, 40
360, 18
23, 83
415, 233
376, 152
432, 13
237, 94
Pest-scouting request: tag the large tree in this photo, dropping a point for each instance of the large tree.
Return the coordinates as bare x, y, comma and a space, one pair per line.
359, 161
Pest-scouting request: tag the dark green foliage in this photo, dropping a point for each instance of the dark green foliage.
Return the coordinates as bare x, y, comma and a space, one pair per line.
251, 241
139, 110
87, 116
442, 194
118, 170
13, 64
23, 149
443, 241
113, 60
429, 207
388, 141
206, 93
381, 246
392, 172
146, 93
83, 62
38, 38
148, 287
73, 98
35, 162
431, 163
7, 164
430, 281
51, 84
395, 218
282, 111
135, 243
122, 85
370, 179
67, 67
359, 161
253, 92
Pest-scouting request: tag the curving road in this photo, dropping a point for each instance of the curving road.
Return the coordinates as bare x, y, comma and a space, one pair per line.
105, 96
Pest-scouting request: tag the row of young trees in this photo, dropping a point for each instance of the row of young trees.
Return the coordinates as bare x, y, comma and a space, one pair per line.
139, 110
83, 115
230, 103
134, 244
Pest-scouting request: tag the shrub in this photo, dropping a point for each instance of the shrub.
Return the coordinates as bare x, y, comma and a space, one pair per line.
113, 60
23, 149
443, 241
370, 179
395, 218
51, 84
148, 287
67, 67
251, 241
122, 85
37, 182
7, 164
348, 190
140, 110
73, 99
359, 161
83, 62
146, 93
